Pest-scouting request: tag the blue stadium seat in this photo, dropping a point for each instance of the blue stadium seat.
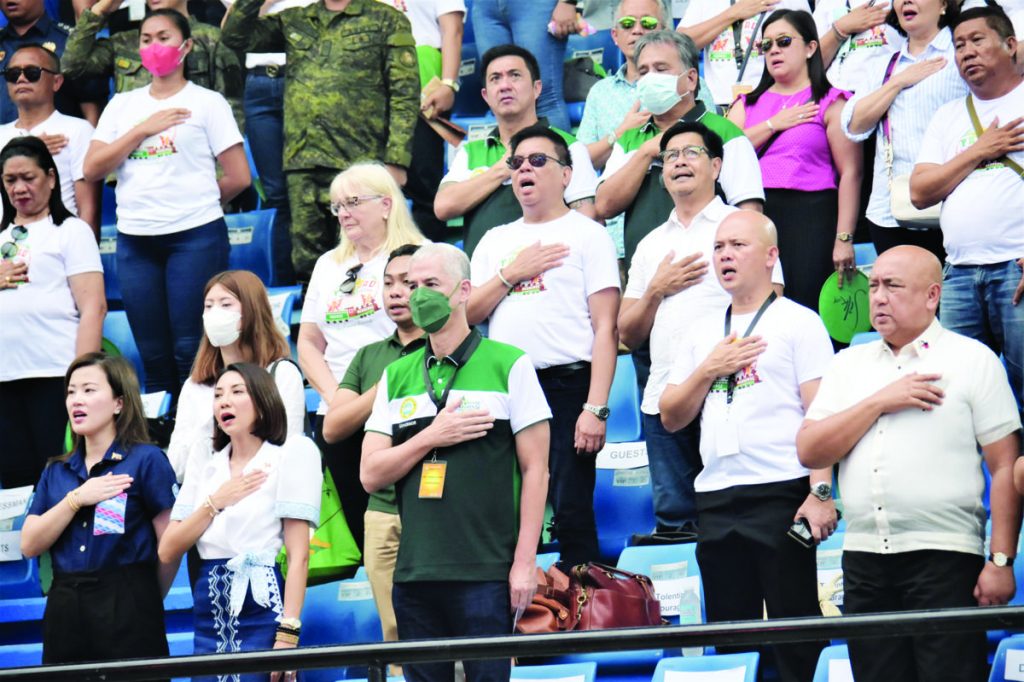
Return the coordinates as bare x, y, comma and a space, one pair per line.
656, 561
623, 506
545, 560
864, 337
575, 113
19, 579
340, 612
117, 330
585, 671
691, 668
108, 213
624, 401
21, 655
108, 257
999, 664
282, 302
838, 653
864, 254
251, 237
468, 101
611, 57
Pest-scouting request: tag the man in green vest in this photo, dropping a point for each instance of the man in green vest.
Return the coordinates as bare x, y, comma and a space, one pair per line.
478, 185
460, 427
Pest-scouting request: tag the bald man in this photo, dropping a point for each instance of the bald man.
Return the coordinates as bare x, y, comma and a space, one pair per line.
904, 417
750, 370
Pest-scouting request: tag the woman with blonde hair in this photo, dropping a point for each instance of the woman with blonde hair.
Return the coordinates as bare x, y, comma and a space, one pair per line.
344, 307
238, 326
100, 510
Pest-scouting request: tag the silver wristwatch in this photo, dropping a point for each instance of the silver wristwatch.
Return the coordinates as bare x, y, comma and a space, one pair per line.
823, 491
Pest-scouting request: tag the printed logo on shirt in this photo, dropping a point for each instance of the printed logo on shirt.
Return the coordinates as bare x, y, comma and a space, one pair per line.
407, 408
466, 405
359, 305
723, 48
162, 147
968, 139
526, 287
745, 378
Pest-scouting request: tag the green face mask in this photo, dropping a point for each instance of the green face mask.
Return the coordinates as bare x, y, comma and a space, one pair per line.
430, 308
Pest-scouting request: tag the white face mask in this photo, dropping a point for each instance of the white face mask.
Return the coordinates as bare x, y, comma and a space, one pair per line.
222, 326
658, 92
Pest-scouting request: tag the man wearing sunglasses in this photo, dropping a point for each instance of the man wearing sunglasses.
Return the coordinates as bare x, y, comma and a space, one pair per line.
549, 283
28, 23
478, 185
33, 77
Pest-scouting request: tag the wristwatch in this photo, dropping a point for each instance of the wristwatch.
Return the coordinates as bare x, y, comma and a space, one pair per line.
600, 411
845, 237
612, 137
1000, 559
823, 491
292, 623
453, 84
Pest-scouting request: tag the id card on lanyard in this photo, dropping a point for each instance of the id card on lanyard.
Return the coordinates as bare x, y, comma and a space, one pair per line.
727, 440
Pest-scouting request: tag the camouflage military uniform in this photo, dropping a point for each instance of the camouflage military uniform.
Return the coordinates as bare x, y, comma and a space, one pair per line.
352, 90
209, 64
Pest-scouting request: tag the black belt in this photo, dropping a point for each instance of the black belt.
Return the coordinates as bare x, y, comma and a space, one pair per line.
558, 371
269, 70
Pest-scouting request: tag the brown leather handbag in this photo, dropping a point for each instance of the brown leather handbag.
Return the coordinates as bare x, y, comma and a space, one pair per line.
550, 609
608, 597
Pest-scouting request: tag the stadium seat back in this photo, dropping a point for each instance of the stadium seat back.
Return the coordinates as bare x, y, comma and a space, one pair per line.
834, 665
117, 330
251, 237
340, 612
584, 671
695, 668
624, 401
108, 257
623, 507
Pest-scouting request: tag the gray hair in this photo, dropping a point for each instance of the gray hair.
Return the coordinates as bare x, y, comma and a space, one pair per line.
453, 259
664, 11
688, 52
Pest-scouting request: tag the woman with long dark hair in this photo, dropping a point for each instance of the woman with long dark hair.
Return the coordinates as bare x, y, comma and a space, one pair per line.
100, 511
52, 305
238, 506
165, 142
811, 171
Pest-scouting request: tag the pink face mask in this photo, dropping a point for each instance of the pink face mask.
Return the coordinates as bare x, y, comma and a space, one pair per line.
161, 59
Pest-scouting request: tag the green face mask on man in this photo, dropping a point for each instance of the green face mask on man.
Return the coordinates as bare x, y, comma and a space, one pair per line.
430, 308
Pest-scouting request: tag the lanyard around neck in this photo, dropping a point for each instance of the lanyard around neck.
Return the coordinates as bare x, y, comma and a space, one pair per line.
731, 381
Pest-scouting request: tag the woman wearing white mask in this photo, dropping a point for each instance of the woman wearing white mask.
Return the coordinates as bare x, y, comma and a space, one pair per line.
165, 142
239, 327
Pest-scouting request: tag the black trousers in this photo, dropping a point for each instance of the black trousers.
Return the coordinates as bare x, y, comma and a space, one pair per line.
887, 237
747, 563
423, 179
33, 421
806, 222
928, 579
107, 615
342, 459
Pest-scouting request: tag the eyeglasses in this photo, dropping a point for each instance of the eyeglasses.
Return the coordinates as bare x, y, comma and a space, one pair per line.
32, 73
537, 160
765, 45
690, 152
647, 22
10, 249
353, 202
349, 284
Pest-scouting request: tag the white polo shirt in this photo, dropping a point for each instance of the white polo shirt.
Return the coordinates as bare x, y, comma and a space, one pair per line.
983, 218
549, 315
767, 408
676, 313
720, 69
914, 480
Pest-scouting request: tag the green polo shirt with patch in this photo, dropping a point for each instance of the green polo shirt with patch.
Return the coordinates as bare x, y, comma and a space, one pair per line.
363, 373
470, 532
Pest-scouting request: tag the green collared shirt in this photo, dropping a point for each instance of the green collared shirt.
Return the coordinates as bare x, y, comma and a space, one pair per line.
352, 82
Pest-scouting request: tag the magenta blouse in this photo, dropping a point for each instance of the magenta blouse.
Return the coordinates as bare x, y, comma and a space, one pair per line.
800, 157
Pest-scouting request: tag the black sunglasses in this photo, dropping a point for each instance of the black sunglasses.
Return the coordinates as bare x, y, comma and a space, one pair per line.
537, 160
10, 249
32, 73
349, 285
765, 45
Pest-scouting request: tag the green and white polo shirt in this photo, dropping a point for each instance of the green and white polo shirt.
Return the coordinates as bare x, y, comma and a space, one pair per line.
470, 533
740, 177
501, 207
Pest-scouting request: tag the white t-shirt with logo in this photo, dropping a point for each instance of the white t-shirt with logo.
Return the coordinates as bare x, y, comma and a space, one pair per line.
69, 160
169, 182
861, 55
767, 410
720, 68
549, 315
347, 321
39, 319
983, 218
424, 15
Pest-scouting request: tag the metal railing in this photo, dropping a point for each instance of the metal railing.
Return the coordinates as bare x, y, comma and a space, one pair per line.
377, 656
